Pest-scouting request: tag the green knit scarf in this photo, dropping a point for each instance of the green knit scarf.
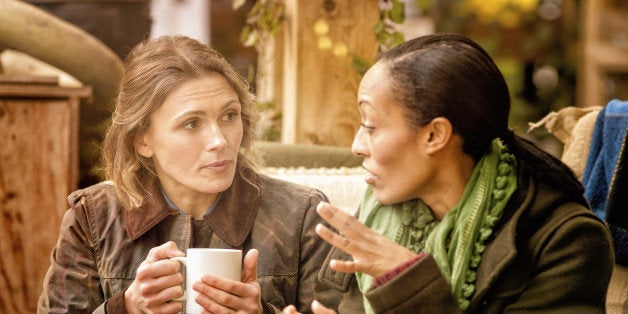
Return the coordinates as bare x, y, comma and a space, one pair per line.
458, 241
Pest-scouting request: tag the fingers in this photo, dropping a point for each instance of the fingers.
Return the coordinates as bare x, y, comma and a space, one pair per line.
214, 300
318, 308
158, 269
211, 285
290, 309
344, 266
333, 238
154, 279
164, 251
150, 292
249, 273
220, 294
343, 222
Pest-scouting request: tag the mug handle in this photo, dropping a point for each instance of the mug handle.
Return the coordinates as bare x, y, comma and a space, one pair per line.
183, 260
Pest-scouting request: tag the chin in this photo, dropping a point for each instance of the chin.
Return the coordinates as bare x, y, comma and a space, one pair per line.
388, 199
382, 197
216, 185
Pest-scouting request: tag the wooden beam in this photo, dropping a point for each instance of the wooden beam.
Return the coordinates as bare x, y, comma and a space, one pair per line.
319, 86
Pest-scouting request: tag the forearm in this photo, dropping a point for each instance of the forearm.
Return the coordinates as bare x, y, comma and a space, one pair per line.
420, 286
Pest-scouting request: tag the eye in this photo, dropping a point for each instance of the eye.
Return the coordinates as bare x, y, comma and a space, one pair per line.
231, 115
368, 128
191, 124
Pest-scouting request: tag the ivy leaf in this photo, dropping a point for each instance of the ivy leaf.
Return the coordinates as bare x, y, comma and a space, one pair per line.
248, 36
396, 38
236, 4
360, 64
379, 27
397, 13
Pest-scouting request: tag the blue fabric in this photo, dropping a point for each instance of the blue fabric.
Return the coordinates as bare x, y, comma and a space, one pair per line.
173, 206
605, 174
608, 135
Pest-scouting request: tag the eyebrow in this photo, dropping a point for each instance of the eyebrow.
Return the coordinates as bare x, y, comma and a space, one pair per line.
202, 113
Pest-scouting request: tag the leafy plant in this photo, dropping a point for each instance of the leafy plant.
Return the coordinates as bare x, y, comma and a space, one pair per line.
390, 12
262, 21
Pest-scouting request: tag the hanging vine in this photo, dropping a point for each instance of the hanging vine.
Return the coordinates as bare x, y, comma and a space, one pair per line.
262, 21
391, 12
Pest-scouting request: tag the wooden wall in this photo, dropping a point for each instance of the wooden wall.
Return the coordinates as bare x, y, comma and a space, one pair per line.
38, 169
315, 82
603, 50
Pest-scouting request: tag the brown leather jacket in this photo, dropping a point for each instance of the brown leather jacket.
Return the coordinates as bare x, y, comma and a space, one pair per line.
550, 254
101, 244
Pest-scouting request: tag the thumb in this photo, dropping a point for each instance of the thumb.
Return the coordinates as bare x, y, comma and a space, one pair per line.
249, 273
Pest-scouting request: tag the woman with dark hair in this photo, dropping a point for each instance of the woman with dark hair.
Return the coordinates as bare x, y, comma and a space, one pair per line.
182, 173
461, 214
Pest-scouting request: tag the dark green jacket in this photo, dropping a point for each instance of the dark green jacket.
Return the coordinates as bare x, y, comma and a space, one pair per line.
549, 254
101, 244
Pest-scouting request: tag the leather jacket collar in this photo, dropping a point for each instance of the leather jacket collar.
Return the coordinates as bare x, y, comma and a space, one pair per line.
232, 219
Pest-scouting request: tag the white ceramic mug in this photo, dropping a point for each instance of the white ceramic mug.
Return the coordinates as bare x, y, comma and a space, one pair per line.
225, 263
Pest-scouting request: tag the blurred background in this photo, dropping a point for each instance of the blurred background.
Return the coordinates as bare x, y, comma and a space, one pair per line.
304, 58
61, 61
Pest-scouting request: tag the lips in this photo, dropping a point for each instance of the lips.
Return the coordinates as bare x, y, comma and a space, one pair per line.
218, 166
369, 177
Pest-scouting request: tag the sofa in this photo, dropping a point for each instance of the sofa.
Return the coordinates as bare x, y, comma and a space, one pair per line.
333, 170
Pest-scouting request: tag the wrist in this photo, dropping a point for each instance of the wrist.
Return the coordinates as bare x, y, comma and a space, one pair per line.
383, 279
129, 305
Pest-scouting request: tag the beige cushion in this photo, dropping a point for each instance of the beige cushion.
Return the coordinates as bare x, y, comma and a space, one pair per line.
343, 186
277, 154
574, 127
617, 296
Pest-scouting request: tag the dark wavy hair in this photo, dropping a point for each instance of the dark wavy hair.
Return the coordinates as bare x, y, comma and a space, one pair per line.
449, 75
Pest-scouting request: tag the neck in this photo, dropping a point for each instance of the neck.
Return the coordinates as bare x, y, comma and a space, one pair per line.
194, 204
449, 186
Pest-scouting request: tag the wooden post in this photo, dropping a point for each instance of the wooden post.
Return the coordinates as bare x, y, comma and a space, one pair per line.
38, 169
598, 56
319, 87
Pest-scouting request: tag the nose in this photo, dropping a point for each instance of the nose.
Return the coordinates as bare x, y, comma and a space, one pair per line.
358, 147
215, 138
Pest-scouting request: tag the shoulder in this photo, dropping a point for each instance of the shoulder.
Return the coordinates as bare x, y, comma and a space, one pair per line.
97, 202
551, 219
103, 190
288, 203
280, 191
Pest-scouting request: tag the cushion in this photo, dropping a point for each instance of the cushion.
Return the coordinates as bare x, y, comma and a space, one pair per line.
343, 186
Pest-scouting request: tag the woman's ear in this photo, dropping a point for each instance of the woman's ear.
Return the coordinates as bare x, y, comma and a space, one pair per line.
439, 132
142, 146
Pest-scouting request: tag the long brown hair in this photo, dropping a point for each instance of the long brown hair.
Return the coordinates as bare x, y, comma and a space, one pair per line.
153, 69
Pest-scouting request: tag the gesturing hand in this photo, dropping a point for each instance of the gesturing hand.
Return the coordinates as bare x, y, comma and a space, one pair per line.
372, 253
317, 308
157, 281
220, 295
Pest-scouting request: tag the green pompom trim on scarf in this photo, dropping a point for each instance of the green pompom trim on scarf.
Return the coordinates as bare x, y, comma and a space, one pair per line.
458, 241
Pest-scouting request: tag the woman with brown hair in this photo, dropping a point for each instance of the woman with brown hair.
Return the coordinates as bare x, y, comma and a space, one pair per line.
178, 154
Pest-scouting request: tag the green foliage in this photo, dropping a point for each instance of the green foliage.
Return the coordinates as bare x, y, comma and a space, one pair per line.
360, 64
391, 12
270, 123
263, 20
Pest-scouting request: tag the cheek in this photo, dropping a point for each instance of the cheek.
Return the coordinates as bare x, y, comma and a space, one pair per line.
177, 151
387, 153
